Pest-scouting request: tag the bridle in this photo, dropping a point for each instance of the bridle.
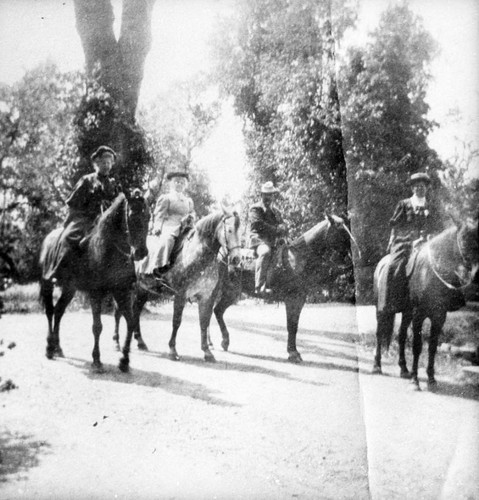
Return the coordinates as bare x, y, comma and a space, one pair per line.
228, 250
439, 277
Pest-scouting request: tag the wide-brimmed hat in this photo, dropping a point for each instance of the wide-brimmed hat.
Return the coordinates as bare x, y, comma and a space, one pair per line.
419, 177
177, 173
102, 150
268, 188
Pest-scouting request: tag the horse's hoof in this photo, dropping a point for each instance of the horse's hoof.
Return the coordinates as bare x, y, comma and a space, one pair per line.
98, 368
124, 366
174, 356
432, 385
225, 345
405, 374
142, 346
59, 352
377, 370
295, 357
209, 358
415, 385
49, 355
117, 347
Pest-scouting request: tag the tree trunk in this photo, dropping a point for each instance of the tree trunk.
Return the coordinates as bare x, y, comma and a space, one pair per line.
115, 72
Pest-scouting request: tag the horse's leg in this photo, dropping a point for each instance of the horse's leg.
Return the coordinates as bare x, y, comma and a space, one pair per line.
141, 298
124, 299
46, 293
68, 292
205, 310
116, 334
178, 306
219, 310
437, 321
96, 298
294, 305
402, 337
417, 321
385, 325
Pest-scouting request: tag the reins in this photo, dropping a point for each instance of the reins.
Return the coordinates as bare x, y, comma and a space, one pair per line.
439, 277
228, 250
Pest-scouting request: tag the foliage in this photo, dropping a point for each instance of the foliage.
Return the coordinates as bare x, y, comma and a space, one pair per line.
383, 91
176, 123
278, 62
462, 194
38, 158
114, 65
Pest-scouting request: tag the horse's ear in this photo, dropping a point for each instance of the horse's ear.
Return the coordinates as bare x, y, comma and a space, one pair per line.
331, 219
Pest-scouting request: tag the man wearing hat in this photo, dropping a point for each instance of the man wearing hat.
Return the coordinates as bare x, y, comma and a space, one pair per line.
172, 211
266, 226
411, 223
90, 197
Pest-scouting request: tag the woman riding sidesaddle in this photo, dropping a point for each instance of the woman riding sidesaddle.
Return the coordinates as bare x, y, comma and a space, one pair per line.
90, 197
412, 222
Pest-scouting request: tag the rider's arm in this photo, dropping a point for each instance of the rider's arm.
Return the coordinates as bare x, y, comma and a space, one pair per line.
160, 213
78, 198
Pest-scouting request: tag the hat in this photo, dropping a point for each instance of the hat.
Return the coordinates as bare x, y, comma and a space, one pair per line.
102, 150
170, 175
268, 188
419, 177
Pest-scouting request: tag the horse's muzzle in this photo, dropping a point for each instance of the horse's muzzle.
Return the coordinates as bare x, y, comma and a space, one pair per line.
235, 261
140, 253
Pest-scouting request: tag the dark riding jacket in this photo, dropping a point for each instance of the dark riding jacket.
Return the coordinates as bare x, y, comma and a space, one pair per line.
92, 195
264, 225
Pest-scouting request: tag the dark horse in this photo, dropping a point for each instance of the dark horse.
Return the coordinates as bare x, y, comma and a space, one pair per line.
202, 259
290, 275
105, 266
438, 273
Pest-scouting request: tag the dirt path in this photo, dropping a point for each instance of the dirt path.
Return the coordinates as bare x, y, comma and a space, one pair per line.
250, 426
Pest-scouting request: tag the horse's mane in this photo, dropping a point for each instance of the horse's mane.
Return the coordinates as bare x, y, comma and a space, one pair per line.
113, 208
443, 235
311, 235
207, 225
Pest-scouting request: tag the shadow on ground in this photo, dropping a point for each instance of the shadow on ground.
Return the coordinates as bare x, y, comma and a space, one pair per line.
18, 453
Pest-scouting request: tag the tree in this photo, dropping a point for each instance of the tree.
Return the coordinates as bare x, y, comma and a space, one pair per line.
278, 62
115, 68
37, 160
384, 110
177, 123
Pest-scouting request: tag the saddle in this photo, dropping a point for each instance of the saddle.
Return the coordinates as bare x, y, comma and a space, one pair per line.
279, 264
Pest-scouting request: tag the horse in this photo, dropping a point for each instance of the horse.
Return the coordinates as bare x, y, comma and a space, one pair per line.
104, 266
290, 274
437, 276
205, 255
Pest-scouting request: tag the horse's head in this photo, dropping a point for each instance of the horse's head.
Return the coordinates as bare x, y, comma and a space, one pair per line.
339, 239
227, 234
138, 219
468, 246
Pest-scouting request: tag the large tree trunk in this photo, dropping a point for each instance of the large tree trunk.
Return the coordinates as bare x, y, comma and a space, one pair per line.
115, 71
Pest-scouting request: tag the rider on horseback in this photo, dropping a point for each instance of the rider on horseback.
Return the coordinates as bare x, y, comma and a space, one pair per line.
266, 227
90, 197
411, 224
173, 212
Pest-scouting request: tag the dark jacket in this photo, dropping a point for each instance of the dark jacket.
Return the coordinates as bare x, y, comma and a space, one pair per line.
92, 194
264, 225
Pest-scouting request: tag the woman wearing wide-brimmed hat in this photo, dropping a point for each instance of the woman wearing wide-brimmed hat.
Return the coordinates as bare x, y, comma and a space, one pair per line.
266, 226
412, 222
172, 210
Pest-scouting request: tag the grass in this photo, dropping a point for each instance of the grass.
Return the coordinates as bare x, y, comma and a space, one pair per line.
461, 327
26, 299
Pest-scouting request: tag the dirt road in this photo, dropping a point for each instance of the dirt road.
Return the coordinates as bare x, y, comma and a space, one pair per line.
250, 426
